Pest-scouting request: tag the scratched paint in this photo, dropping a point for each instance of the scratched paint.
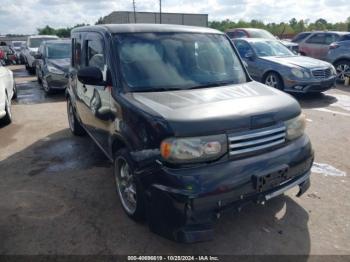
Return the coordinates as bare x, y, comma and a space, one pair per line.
326, 170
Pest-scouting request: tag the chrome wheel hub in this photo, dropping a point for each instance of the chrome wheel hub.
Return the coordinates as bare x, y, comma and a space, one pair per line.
126, 186
342, 69
271, 81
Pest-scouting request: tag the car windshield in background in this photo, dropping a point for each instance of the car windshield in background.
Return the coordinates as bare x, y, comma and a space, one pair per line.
17, 44
58, 50
35, 42
261, 34
271, 48
169, 61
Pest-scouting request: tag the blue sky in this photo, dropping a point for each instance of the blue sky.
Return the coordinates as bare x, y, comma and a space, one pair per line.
25, 16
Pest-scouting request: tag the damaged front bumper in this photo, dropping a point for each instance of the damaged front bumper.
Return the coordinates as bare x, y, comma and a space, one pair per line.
187, 210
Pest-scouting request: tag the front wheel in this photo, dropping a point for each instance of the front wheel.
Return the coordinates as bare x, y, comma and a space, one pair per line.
129, 189
274, 80
74, 125
343, 69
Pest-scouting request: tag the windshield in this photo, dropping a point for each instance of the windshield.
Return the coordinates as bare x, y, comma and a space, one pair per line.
35, 42
167, 61
261, 34
271, 48
58, 50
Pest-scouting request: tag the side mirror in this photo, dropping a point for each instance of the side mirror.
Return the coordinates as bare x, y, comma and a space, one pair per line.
249, 55
91, 76
38, 56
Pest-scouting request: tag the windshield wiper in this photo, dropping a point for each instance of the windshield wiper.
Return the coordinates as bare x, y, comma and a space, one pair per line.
223, 83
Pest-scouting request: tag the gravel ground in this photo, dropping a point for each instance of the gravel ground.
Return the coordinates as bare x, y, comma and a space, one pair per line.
57, 192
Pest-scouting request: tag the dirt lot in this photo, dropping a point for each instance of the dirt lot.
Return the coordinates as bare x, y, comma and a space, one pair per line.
57, 192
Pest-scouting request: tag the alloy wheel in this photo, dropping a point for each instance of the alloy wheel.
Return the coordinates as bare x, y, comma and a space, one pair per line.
271, 81
126, 186
342, 69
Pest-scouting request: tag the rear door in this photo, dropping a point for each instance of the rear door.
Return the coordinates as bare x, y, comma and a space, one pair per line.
314, 45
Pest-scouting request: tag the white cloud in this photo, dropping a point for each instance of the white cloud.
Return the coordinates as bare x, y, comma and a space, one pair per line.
25, 16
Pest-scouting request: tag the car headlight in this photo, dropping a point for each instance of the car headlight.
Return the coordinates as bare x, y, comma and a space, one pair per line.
54, 70
295, 127
300, 73
334, 71
193, 149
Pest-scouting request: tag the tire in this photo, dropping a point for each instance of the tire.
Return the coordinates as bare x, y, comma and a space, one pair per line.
7, 119
129, 189
342, 67
74, 124
274, 80
38, 77
14, 90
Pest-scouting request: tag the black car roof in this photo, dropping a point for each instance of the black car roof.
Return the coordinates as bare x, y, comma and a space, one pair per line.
146, 28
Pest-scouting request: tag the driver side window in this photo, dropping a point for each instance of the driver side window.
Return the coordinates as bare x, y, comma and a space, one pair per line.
94, 54
243, 48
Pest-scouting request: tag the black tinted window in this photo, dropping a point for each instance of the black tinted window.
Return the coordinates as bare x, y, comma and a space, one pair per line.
330, 38
240, 34
76, 54
242, 47
344, 38
299, 37
317, 39
95, 55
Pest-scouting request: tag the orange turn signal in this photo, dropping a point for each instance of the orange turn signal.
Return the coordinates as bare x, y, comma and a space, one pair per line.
165, 149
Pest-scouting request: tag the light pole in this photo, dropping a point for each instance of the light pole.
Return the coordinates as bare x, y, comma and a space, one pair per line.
134, 5
160, 11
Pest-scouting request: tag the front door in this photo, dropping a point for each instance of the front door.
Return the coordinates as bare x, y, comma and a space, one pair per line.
97, 98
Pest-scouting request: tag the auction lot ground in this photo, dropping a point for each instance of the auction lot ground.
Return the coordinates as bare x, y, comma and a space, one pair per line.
57, 193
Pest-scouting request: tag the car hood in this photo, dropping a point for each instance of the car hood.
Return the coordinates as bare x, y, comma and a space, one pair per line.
218, 109
62, 64
297, 61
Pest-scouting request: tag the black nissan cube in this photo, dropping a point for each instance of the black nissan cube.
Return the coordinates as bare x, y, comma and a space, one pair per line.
189, 133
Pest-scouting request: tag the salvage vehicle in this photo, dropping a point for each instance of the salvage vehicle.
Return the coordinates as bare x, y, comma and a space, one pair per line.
31, 49
275, 65
189, 133
53, 60
8, 55
339, 56
259, 33
18, 46
316, 44
7, 93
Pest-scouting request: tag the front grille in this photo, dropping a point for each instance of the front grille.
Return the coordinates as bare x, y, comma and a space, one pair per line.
322, 73
256, 140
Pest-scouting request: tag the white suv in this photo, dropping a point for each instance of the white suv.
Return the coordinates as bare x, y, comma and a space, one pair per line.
31, 49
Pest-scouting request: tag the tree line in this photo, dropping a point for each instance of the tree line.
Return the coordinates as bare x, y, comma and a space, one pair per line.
293, 27
280, 29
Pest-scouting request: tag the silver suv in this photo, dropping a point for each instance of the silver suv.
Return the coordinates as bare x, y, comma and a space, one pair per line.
339, 56
31, 49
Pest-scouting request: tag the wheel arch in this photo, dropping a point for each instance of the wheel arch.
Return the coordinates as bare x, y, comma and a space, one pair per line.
341, 59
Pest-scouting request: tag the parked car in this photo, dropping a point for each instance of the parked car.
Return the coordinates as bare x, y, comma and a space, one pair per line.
8, 55
31, 49
7, 93
18, 46
189, 133
259, 33
275, 65
53, 60
339, 56
316, 44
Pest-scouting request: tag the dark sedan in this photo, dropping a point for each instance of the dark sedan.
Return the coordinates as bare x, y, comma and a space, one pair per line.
52, 65
273, 64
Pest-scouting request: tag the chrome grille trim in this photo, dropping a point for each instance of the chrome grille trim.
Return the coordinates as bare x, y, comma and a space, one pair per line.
322, 73
256, 140
257, 134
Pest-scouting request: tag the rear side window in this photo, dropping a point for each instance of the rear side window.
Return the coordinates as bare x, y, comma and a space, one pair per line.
344, 38
95, 55
240, 34
330, 38
76, 52
317, 39
298, 38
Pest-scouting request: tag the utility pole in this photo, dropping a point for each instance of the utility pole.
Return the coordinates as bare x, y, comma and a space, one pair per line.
134, 6
160, 11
